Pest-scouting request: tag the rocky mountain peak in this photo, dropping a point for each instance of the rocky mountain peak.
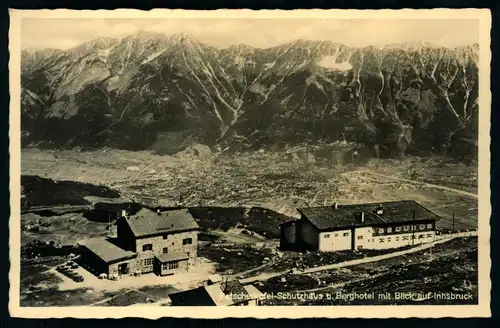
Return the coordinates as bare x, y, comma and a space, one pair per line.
149, 90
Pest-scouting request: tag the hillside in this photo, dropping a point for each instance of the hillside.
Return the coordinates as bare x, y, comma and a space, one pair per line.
150, 91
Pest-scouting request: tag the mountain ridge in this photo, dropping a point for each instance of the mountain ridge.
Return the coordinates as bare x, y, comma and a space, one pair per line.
134, 92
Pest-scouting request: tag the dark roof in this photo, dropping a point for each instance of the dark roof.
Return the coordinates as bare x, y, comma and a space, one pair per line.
147, 222
329, 217
217, 294
174, 256
192, 297
106, 250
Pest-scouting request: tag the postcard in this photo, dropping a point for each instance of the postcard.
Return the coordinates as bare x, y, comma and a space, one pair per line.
241, 163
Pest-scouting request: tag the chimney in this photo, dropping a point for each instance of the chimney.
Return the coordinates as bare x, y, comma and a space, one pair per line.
124, 213
336, 205
158, 212
362, 217
380, 209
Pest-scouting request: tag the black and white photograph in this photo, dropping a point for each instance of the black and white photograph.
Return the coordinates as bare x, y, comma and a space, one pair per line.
287, 163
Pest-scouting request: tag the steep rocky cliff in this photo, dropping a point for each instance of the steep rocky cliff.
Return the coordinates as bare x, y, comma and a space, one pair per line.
153, 91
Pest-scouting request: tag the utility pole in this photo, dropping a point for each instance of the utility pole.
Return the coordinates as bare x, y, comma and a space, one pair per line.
453, 223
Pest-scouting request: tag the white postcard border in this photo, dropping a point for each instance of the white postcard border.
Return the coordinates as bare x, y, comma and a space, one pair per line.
428, 311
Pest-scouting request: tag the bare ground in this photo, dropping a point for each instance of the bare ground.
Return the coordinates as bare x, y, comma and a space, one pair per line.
251, 179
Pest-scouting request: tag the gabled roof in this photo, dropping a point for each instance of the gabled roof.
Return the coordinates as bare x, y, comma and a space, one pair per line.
148, 223
329, 217
217, 294
106, 250
174, 256
193, 297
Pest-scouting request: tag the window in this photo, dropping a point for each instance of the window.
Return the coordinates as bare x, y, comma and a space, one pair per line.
389, 229
381, 240
336, 235
398, 229
406, 228
360, 237
173, 243
413, 237
165, 236
165, 250
148, 262
327, 235
381, 230
429, 226
421, 227
147, 247
170, 265
173, 265
360, 247
406, 238
346, 234
187, 241
429, 235
389, 239
397, 238
188, 253
420, 236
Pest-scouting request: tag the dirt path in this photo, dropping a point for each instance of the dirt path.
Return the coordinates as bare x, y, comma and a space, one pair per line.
273, 261
269, 275
110, 298
453, 190
338, 285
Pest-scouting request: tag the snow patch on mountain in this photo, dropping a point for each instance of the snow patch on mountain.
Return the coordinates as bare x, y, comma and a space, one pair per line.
330, 63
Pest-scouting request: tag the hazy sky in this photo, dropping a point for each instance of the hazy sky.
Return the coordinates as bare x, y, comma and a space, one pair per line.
66, 33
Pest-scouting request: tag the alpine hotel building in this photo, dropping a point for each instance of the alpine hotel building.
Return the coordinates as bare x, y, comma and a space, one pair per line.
359, 226
163, 243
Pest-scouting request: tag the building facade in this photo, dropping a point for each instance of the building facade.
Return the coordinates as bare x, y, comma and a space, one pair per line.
164, 243
360, 226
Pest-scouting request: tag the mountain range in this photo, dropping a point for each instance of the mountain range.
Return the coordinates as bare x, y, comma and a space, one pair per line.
152, 91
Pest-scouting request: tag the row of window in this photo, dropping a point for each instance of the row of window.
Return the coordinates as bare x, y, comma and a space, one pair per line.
170, 265
382, 240
149, 247
398, 238
165, 266
327, 235
390, 230
405, 228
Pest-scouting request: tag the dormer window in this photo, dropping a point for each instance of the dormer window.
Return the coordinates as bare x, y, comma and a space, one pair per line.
380, 210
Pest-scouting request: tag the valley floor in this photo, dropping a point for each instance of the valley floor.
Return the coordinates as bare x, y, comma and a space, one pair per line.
263, 180
268, 180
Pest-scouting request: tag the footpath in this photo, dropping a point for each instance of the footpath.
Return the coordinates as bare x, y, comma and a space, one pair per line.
440, 239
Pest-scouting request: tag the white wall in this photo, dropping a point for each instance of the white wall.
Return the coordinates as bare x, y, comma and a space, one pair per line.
363, 238
335, 240
391, 241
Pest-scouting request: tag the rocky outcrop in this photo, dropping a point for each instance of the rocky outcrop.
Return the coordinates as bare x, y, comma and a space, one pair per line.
150, 91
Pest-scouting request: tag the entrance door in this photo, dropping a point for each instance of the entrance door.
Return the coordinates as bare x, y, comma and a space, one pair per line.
123, 268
